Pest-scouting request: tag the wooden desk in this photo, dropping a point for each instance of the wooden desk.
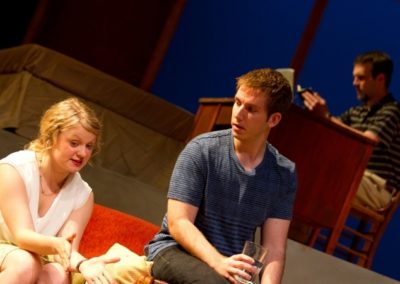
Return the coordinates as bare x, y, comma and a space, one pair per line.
330, 161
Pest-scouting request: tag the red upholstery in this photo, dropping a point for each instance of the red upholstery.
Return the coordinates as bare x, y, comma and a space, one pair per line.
108, 226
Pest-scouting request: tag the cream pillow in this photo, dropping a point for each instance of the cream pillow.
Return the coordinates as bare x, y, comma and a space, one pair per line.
132, 268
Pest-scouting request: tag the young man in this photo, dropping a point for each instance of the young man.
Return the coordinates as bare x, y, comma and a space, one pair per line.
224, 185
378, 118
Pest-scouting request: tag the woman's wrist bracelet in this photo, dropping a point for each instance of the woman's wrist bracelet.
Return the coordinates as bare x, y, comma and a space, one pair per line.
78, 265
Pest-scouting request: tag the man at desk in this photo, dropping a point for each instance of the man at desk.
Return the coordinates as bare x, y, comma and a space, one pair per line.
378, 118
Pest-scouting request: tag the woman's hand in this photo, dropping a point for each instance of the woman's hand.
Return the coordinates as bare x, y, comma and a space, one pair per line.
63, 248
93, 269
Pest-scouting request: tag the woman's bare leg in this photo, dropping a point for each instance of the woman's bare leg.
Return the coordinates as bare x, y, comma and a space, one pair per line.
19, 267
53, 273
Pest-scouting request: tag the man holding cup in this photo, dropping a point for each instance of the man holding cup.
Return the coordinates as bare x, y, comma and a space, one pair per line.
224, 185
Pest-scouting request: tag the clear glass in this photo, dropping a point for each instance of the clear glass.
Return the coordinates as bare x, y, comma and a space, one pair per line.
259, 254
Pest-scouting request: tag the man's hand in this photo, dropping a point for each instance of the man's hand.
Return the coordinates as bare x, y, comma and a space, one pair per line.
315, 103
238, 264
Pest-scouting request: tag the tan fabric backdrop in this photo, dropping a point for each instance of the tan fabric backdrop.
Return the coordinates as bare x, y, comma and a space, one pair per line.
142, 134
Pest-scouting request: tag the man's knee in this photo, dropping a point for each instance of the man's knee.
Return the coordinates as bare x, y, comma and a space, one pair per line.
177, 266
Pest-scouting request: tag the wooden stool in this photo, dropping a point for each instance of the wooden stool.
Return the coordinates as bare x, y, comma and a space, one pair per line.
358, 243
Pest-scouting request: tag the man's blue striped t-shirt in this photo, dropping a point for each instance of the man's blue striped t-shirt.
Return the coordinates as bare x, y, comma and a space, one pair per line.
232, 202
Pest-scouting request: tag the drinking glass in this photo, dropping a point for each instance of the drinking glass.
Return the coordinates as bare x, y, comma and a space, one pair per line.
259, 254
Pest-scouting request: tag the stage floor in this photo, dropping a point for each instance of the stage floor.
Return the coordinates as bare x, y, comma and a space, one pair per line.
310, 266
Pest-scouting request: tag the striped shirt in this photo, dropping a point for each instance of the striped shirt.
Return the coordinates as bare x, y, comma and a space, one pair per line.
232, 202
383, 119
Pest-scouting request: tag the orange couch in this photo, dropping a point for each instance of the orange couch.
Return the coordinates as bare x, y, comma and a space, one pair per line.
108, 226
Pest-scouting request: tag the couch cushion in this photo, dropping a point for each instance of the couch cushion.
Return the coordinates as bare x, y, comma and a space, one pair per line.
108, 226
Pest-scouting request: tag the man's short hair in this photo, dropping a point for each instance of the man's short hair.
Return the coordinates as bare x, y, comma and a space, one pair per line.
380, 62
272, 84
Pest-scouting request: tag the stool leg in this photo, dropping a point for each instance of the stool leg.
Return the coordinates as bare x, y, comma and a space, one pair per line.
313, 237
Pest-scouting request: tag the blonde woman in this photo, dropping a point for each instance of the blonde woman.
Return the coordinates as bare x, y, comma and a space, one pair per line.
45, 205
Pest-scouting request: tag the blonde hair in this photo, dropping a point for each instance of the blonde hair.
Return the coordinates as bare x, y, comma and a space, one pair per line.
62, 116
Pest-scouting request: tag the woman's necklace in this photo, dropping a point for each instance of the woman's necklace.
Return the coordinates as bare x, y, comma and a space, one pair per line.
42, 189
39, 158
